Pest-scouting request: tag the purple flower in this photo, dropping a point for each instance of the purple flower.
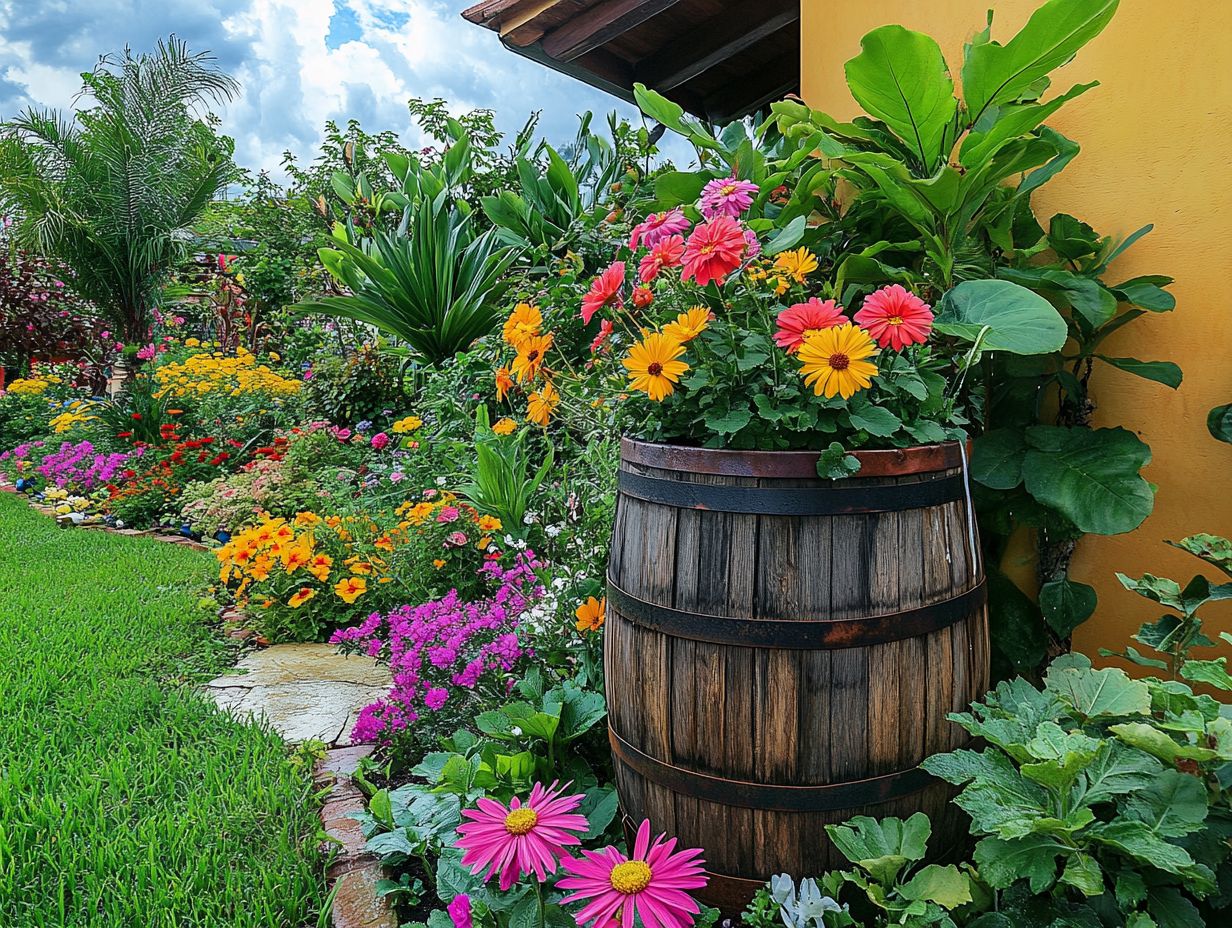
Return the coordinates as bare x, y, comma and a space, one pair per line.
435, 697
727, 197
459, 910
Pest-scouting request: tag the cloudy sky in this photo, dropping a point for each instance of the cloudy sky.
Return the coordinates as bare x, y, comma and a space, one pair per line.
300, 62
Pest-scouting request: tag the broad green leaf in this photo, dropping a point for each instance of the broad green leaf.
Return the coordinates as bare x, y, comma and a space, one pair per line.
1213, 673
1001, 316
900, 77
1090, 476
673, 188
787, 237
1117, 770
1033, 858
1141, 843
996, 74
996, 458
599, 807
876, 420
947, 886
1164, 372
1011, 122
1083, 873
1219, 423
1170, 908
1061, 756
882, 847
1147, 293
1159, 744
1210, 548
1092, 693
1173, 805
1015, 622
1066, 604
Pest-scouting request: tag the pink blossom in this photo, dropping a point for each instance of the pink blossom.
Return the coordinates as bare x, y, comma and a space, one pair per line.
379, 441
727, 197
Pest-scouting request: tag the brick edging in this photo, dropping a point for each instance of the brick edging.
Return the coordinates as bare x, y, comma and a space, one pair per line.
354, 872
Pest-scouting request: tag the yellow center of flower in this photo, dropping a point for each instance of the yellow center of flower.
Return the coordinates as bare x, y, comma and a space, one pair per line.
728, 190
895, 320
630, 877
839, 361
520, 821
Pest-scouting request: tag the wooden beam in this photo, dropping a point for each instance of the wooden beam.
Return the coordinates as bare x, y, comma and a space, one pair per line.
598, 25
718, 39
750, 92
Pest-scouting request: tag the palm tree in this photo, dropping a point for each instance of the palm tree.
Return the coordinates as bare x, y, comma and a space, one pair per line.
112, 189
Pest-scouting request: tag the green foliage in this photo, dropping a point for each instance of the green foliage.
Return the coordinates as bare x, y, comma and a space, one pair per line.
353, 388
1097, 794
501, 481
1175, 634
113, 191
433, 285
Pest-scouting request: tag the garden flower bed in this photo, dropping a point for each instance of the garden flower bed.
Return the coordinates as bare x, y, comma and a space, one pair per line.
676, 502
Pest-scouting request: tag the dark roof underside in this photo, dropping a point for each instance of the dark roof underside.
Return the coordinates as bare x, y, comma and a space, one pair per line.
719, 59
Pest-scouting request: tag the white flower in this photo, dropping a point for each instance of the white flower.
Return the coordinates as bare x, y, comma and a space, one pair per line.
515, 731
552, 530
441, 481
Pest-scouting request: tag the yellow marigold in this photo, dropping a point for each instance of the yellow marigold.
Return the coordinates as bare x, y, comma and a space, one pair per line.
319, 566
301, 596
489, 523
306, 519
529, 361
541, 404
28, 386
689, 325
653, 367
438, 563
835, 360
351, 588
796, 264
192, 343
420, 513
524, 322
591, 614
406, 425
505, 426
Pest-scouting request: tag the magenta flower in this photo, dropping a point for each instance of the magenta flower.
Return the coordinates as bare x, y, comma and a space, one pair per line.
379, 441
658, 226
448, 514
728, 197
652, 882
459, 910
522, 839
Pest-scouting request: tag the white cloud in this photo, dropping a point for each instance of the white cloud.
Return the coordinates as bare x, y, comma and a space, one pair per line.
300, 62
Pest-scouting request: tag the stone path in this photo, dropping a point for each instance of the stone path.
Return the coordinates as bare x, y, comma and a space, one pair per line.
305, 691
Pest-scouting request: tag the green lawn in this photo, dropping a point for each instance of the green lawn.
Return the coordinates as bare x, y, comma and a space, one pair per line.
126, 799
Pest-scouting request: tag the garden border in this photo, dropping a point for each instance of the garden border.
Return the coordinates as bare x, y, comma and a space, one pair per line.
353, 874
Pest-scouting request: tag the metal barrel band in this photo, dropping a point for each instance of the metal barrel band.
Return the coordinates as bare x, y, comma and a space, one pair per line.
802, 634
769, 796
793, 501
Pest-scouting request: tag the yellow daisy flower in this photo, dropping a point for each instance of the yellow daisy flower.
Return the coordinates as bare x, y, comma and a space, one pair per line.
653, 367
524, 322
541, 404
688, 325
834, 360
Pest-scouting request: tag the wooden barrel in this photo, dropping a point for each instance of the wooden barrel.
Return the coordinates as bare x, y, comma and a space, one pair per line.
781, 651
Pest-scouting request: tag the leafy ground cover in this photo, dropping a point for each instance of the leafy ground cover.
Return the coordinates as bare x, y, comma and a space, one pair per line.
126, 798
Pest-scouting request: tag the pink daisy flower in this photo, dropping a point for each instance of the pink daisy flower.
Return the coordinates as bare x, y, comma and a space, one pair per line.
667, 252
713, 251
800, 320
658, 226
896, 317
604, 290
523, 838
727, 197
652, 883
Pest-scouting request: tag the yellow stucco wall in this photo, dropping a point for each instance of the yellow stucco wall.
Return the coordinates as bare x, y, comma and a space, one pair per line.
1156, 141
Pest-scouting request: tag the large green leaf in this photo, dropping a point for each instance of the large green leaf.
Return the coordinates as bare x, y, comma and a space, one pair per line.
1001, 316
1092, 693
1010, 122
900, 77
1034, 858
1219, 423
995, 74
1164, 372
1066, 604
947, 886
882, 847
996, 458
1090, 476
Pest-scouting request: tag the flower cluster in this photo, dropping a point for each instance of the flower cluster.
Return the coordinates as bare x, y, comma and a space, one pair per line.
28, 386
211, 373
78, 466
444, 651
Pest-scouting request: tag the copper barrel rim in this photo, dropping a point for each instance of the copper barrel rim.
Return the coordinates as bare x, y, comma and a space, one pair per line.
795, 465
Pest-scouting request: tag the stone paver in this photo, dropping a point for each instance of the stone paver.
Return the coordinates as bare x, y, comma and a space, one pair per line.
305, 691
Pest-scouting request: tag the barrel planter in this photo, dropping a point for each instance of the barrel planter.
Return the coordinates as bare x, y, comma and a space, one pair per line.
781, 651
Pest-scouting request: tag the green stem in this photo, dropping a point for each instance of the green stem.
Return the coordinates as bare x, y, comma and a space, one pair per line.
539, 900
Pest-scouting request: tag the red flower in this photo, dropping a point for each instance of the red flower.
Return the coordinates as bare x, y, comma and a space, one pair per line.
137, 416
642, 297
797, 321
668, 252
604, 290
713, 251
605, 332
896, 317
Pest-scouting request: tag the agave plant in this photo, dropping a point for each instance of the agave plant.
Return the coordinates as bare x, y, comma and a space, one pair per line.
433, 284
